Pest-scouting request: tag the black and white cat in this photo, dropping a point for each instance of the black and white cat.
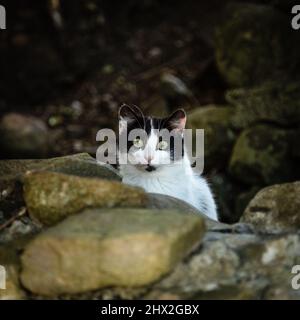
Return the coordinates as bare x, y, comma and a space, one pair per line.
152, 164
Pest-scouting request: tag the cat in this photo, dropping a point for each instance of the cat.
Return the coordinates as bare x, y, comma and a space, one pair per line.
154, 166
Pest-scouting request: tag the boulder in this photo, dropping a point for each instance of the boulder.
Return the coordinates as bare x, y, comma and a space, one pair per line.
109, 247
12, 172
271, 102
275, 209
235, 266
261, 156
52, 196
219, 135
161, 201
81, 164
249, 53
23, 137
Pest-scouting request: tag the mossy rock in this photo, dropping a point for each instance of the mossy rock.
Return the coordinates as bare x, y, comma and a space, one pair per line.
110, 247
81, 164
255, 43
261, 156
219, 135
50, 196
271, 102
275, 209
23, 136
12, 173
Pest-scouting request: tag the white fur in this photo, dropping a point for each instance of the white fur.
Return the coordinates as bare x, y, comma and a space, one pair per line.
175, 179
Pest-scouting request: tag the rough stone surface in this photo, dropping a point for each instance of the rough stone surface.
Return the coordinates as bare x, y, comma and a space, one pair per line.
271, 102
51, 196
235, 266
116, 247
249, 53
219, 135
161, 202
275, 209
23, 136
259, 154
81, 164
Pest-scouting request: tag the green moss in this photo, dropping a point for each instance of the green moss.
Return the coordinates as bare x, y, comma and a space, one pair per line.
271, 102
219, 135
275, 209
50, 196
261, 156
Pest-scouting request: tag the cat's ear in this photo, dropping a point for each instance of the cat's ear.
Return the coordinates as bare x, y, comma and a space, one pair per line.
128, 115
177, 120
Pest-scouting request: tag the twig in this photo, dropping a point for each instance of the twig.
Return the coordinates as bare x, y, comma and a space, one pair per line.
20, 213
145, 75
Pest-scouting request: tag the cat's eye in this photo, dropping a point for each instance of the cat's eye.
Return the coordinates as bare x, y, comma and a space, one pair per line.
138, 143
162, 145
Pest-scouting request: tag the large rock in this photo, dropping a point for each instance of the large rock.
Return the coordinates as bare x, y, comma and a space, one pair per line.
23, 137
116, 247
51, 196
255, 43
81, 164
235, 266
271, 102
213, 271
162, 201
275, 209
12, 172
219, 135
261, 156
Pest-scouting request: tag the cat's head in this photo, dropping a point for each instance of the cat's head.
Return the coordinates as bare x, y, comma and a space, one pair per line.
151, 142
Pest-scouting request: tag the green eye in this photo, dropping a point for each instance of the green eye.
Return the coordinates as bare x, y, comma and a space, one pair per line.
162, 145
138, 143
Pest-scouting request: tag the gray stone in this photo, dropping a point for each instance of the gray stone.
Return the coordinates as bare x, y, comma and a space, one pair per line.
275, 209
112, 247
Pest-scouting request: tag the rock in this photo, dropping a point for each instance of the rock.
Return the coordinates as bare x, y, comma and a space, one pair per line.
51, 196
112, 247
250, 53
212, 272
81, 164
23, 228
23, 136
219, 135
261, 156
12, 172
10, 261
161, 201
235, 266
275, 209
271, 102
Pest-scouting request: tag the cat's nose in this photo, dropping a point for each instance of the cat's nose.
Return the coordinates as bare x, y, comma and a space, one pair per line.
149, 159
